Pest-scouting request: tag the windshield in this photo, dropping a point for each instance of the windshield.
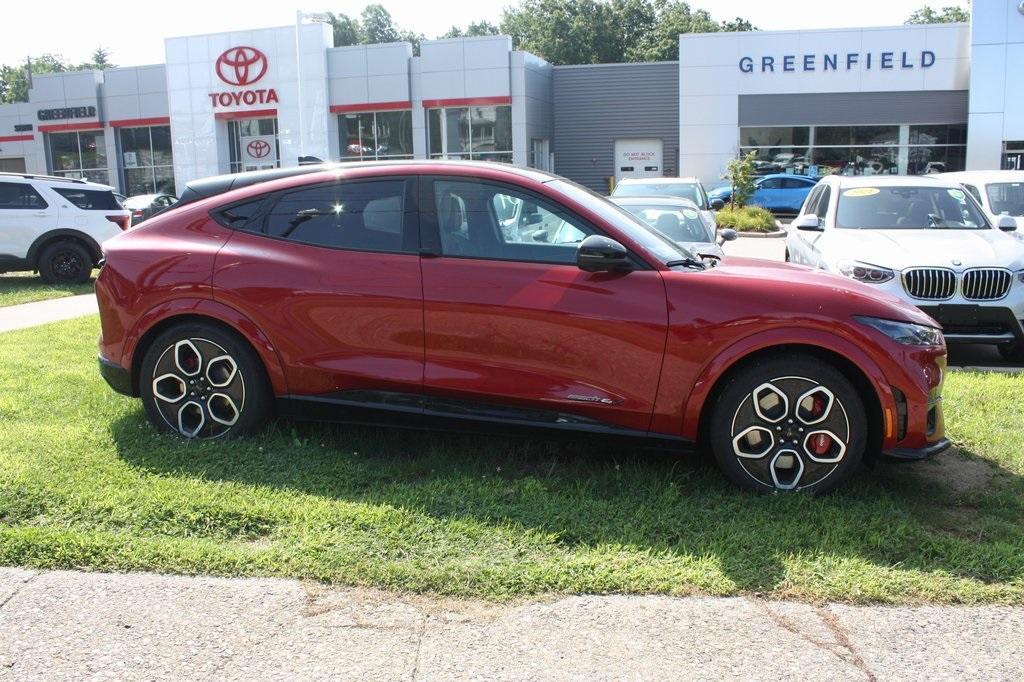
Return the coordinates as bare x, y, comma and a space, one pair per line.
908, 208
678, 224
1006, 197
683, 190
662, 248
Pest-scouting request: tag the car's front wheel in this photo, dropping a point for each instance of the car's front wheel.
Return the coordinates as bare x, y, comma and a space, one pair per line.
201, 381
788, 424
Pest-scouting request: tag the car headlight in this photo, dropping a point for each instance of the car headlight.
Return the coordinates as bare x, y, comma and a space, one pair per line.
865, 272
907, 333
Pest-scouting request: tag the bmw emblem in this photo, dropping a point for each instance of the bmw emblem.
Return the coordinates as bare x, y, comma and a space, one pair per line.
955, 261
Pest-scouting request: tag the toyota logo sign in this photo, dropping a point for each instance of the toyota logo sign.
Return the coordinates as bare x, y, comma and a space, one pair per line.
258, 148
241, 65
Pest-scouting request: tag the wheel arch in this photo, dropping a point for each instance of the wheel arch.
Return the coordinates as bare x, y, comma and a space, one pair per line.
63, 234
867, 387
210, 312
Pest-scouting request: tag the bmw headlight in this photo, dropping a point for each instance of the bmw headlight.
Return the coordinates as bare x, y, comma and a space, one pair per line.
865, 272
907, 333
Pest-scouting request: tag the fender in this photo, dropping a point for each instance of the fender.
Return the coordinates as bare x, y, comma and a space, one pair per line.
219, 312
721, 363
94, 249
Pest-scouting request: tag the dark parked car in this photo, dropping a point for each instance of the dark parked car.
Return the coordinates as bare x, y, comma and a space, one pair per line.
144, 206
396, 293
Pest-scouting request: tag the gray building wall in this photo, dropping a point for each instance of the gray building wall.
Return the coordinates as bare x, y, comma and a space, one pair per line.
854, 108
597, 104
532, 106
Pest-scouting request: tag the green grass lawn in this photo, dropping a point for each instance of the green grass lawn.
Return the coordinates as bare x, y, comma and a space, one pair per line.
85, 482
26, 287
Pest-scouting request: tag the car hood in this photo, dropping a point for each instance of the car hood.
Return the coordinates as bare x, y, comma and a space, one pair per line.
901, 249
786, 286
719, 192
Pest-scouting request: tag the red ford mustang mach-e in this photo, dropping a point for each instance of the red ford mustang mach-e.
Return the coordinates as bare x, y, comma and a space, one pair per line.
482, 295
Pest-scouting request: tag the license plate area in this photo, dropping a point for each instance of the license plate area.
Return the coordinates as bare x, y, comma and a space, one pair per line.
958, 315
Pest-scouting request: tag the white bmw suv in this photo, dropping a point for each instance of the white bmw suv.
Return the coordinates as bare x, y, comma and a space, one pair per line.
56, 225
925, 240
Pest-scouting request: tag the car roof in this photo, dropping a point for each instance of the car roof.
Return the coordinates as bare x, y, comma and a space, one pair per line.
890, 180
984, 176
53, 179
657, 181
671, 202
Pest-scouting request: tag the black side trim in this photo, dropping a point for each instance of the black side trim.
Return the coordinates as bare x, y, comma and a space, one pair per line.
412, 411
116, 376
911, 454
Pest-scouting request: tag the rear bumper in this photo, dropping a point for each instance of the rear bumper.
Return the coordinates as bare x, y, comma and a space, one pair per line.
116, 376
913, 454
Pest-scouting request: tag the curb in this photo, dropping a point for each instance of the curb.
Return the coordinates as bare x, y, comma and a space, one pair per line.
778, 234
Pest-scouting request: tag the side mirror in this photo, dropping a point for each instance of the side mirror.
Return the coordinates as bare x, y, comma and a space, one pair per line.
726, 234
717, 204
601, 254
1006, 223
808, 222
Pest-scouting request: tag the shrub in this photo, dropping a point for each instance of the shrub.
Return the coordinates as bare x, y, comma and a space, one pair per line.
746, 219
740, 174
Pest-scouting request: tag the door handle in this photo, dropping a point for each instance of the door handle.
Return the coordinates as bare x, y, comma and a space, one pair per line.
42, 214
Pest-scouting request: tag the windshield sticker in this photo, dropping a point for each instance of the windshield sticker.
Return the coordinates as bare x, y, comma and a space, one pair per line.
689, 213
861, 192
956, 194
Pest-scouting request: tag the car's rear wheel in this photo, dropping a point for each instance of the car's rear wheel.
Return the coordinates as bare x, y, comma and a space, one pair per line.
788, 424
65, 262
201, 381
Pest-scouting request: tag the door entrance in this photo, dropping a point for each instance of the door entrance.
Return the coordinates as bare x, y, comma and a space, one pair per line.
638, 158
12, 165
253, 144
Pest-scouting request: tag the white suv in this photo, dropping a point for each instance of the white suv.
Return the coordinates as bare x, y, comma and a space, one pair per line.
999, 193
56, 225
926, 240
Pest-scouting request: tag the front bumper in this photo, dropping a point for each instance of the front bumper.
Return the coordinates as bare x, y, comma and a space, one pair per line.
116, 376
914, 454
972, 323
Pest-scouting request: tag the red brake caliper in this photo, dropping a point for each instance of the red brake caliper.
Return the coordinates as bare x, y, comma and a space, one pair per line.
820, 444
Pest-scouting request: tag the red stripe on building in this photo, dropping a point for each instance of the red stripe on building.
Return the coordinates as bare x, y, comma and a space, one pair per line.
17, 138
66, 127
466, 102
371, 106
138, 122
252, 113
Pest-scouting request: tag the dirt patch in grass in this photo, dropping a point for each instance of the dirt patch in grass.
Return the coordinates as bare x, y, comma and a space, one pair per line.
960, 472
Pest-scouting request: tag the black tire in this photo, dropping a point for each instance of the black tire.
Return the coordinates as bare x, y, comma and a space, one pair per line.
65, 262
1012, 352
214, 402
816, 462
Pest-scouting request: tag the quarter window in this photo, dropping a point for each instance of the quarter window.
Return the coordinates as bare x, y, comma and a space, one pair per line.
364, 216
89, 199
20, 196
480, 220
822, 208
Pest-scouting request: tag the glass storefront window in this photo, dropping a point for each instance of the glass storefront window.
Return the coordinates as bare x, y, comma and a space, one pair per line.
796, 136
147, 160
856, 135
79, 155
483, 133
376, 135
939, 134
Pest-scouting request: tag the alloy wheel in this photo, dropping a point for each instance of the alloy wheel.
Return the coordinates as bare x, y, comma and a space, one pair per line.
790, 433
66, 264
198, 388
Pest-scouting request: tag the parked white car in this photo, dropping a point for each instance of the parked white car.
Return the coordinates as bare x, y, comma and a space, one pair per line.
683, 188
998, 192
681, 221
56, 225
926, 240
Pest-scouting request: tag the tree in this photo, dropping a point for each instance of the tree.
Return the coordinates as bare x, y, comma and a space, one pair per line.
347, 30
378, 26
946, 15
476, 28
100, 60
740, 174
14, 79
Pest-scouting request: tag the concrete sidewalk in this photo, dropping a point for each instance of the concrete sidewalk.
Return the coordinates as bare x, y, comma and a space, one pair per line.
41, 312
63, 624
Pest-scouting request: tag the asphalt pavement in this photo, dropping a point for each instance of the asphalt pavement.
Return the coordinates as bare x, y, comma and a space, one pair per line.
70, 625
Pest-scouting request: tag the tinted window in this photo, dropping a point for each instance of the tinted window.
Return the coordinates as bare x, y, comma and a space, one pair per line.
17, 195
481, 220
811, 202
822, 208
241, 216
770, 183
795, 183
346, 215
90, 199
907, 208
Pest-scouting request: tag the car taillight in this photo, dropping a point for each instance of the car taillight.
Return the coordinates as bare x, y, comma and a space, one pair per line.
123, 221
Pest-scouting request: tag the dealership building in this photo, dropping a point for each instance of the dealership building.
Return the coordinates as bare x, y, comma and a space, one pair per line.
900, 100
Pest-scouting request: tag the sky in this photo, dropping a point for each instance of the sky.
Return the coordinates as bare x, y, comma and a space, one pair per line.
133, 32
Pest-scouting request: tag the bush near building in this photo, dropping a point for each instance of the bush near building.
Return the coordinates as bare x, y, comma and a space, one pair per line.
746, 218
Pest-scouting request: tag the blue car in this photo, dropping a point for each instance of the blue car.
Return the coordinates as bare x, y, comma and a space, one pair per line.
779, 193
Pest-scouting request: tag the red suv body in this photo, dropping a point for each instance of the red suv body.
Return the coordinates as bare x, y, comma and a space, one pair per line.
475, 294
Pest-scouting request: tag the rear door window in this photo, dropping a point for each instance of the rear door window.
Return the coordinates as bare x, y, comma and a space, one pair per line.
821, 210
20, 196
90, 199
